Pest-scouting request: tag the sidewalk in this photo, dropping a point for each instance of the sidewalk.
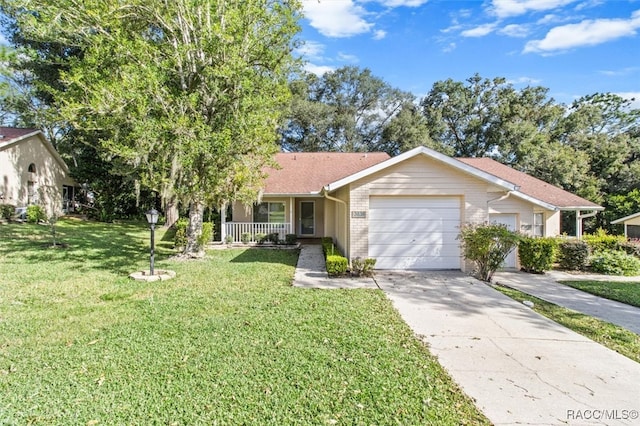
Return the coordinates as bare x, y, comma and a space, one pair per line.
546, 287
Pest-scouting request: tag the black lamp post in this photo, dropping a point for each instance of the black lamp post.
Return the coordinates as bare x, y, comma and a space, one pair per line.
152, 218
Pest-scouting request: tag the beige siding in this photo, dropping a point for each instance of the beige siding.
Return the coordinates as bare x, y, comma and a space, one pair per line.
634, 221
551, 223
48, 179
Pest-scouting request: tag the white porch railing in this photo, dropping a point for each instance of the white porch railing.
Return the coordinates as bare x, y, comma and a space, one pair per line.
252, 231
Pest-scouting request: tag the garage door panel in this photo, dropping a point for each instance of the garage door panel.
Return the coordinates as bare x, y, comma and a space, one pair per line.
414, 232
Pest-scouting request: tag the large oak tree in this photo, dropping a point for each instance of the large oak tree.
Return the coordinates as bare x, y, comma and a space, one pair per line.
188, 92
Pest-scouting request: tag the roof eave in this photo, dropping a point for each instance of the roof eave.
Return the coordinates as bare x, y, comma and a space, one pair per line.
624, 219
576, 208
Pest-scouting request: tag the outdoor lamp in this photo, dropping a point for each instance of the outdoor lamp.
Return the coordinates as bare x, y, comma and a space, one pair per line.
152, 218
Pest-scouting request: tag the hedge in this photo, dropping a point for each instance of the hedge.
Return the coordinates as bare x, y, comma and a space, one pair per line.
537, 254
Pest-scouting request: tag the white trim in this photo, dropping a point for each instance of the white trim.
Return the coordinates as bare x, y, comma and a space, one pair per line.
421, 150
535, 201
624, 219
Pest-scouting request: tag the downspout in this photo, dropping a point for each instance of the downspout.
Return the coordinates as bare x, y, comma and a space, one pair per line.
346, 214
579, 218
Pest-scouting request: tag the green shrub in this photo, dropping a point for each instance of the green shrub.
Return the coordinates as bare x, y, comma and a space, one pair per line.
329, 248
180, 238
7, 211
601, 241
245, 237
361, 267
487, 245
35, 214
273, 238
573, 255
615, 263
336, 265
207, 233
260, 238
290, 239
537, 254
228, 239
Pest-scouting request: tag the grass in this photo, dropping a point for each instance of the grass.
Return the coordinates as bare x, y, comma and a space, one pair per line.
228, 341
622, 291
612, 336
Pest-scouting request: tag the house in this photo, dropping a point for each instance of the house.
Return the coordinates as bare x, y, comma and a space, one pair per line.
631, 225
404, 211
32, 172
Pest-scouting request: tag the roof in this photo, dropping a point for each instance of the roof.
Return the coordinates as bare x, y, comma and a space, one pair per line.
626, 218
428, 152
533, 188
309, 172
10, 136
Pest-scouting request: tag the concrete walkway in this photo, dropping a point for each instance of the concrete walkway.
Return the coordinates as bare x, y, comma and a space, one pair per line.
518, 366
546, 287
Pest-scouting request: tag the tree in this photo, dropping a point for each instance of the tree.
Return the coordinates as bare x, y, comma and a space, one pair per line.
406, 130
345, 110
188, 93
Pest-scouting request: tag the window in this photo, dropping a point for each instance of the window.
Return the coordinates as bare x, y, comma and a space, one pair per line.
268, 213
32, 168
538, 224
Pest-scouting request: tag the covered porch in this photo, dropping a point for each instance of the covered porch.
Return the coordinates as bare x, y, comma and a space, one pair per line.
276, 217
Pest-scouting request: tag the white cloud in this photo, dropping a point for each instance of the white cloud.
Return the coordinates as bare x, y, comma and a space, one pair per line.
449, 47
379, 34
479, 31
317, 69
398, 3
345, 57
589, 32
506, 8
311, 50
525, 80
515, 30
336, 18
620, 72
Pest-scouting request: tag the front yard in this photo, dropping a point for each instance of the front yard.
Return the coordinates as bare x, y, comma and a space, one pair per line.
228, 341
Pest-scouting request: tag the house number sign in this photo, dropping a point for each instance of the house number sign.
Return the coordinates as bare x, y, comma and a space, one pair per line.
359, 214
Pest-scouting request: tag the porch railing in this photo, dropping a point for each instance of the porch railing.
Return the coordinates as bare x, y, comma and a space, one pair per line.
252, 232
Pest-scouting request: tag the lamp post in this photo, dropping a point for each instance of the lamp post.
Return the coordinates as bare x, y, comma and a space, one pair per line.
152, 218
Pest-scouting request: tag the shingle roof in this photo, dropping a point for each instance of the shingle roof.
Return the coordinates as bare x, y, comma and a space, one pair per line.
531, 186
7, 134
309, 172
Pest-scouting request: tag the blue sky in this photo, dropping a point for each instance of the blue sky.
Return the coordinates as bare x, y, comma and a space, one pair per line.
572, 47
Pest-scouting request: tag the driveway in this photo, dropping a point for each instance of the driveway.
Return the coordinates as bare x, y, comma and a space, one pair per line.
519, 367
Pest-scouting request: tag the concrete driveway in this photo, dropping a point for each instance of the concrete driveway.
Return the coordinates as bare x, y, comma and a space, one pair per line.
518, 366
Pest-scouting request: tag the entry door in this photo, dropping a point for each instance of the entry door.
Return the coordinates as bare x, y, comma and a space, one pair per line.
510, 220
307, 218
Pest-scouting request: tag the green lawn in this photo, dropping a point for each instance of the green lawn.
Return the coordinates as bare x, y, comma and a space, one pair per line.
612, 336
228, 341
625, 292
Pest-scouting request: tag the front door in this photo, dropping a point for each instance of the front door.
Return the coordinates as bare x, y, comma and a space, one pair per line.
510, 221
307, 218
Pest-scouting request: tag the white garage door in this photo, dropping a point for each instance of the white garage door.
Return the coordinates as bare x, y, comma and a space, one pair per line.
414, 232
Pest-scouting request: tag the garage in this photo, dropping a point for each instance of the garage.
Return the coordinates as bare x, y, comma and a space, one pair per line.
414, 232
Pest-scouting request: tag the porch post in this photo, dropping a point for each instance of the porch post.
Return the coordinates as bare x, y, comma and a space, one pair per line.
578, 225
223, 222
292, 220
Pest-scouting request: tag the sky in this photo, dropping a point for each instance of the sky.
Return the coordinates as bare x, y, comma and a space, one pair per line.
572, 47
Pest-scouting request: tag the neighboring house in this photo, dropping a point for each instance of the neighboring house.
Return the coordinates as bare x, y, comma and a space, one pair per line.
32, 172
404, 211
631, 225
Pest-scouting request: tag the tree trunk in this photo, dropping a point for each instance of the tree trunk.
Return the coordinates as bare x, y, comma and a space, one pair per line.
171, 213
194, 230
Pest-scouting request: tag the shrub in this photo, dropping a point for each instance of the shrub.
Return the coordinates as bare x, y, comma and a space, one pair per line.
7, 211
615, 263
537, 254
487, 245
180, 238
273, 238
361, 267
260, 238
631, 247
207, 233
328, 247
336, 265
290, 239
245, 237
228, 239
601, 241
35, 214
573, 255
